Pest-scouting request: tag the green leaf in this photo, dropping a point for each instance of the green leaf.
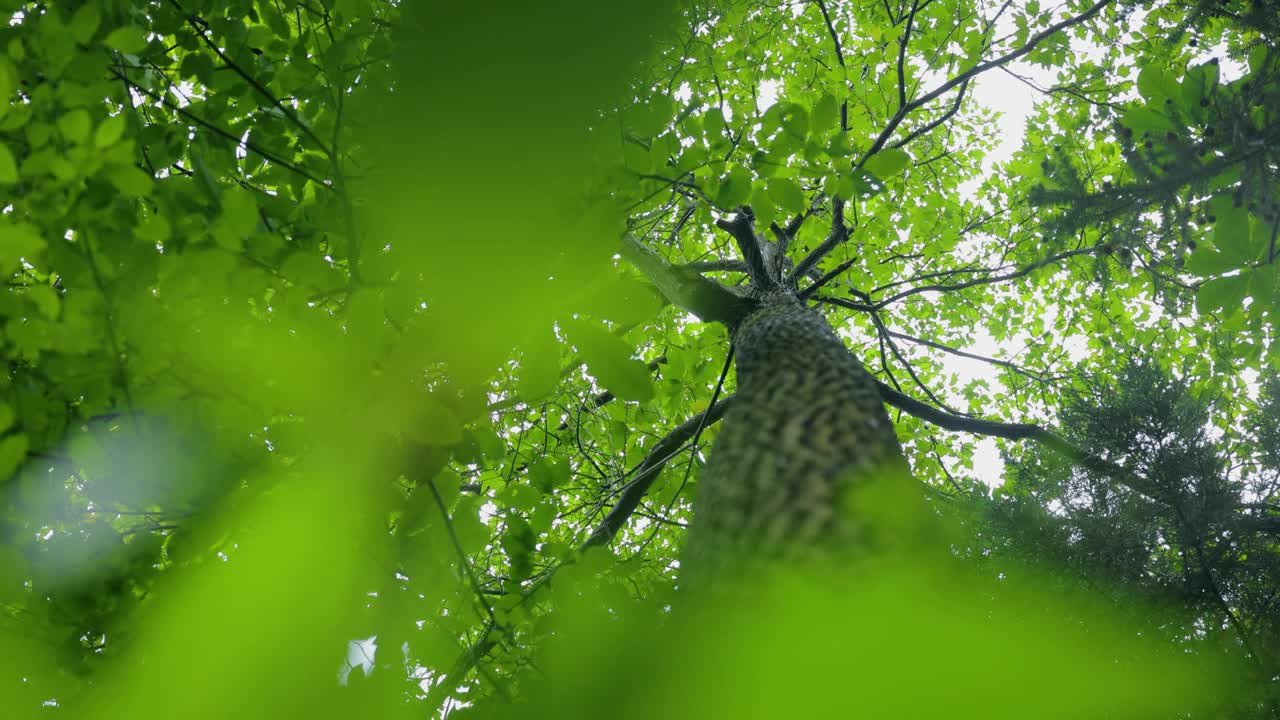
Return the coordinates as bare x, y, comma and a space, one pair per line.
6, 86
1232, 233
434, 422
691, 158
1141, 119
651, 118
18, 241
155, 229
1206, 261
8, 168
519, 496
625, 300
762, 204
866, 184
130, 180
1155, 84
794, 120
109, 131
518, 542
826, 114
887, 163
7, 416
1220, 293
1199, 82
238, 219
735, 189
85, 21
609, 360
844, 187
74, 126
472, 533
1257, 58
787, 194
713, 123
13, 450
127, 39
539, 367
45, 299
1262, 286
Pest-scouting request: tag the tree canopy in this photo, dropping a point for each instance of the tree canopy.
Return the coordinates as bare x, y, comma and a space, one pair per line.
362, 356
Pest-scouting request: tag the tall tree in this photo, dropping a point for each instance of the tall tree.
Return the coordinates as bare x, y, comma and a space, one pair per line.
326, 321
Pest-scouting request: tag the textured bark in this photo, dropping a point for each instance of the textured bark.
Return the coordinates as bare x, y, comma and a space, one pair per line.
807, 427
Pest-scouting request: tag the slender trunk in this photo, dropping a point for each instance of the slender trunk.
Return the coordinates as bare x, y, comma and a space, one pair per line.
807, 426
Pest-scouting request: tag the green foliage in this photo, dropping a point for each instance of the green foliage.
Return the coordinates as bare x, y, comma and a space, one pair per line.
314, 328
1181, 530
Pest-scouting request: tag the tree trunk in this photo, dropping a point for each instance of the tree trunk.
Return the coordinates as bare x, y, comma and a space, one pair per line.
807, 427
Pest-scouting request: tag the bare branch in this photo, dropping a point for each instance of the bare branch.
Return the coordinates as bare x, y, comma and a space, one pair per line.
987, 280
839, 233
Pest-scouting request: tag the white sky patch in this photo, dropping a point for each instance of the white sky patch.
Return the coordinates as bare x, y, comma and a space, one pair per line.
1012, 96
768, 95
360, 654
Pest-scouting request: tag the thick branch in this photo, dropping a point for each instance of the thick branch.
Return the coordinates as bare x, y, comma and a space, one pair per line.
715, 266
1016, 431
706, 298
742, 229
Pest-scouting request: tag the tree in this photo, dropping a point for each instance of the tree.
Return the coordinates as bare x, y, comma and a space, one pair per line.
338, 320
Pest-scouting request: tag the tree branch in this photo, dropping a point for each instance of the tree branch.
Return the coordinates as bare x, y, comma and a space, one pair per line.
248, 144
987, 280
742, 229
706, 298
647, 471
1016, 431
839, 233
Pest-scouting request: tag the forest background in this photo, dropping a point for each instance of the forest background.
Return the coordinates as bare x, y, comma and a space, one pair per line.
327, 342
